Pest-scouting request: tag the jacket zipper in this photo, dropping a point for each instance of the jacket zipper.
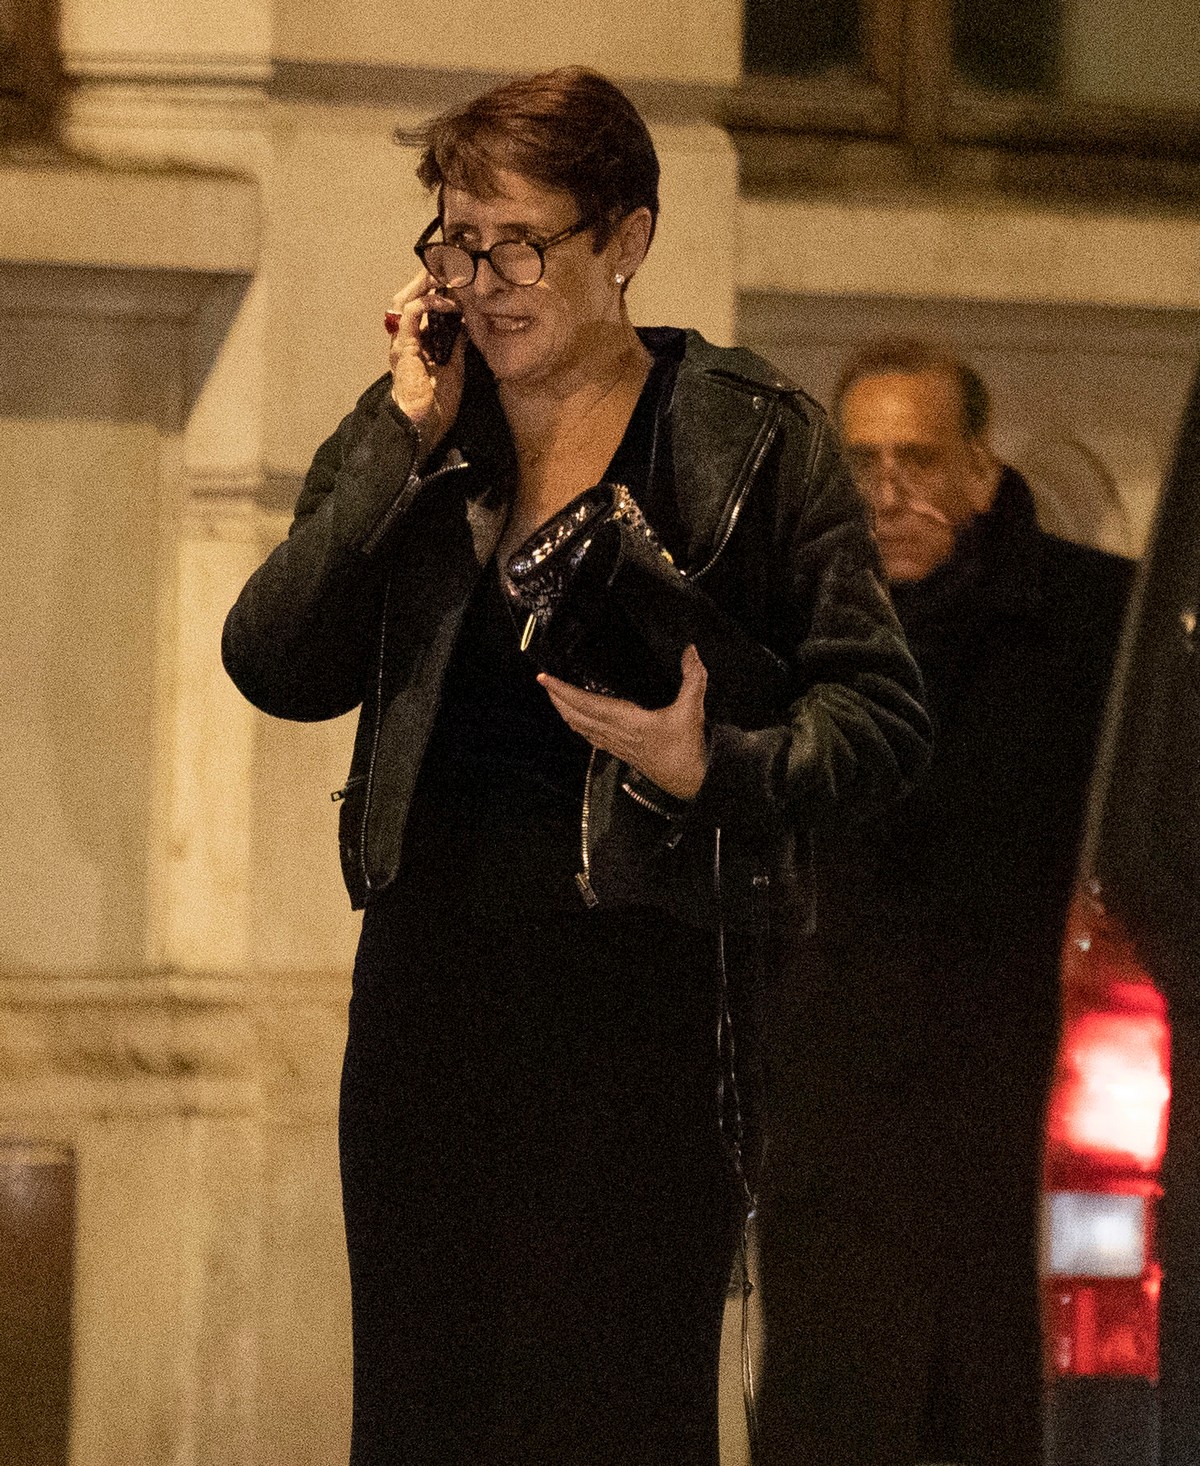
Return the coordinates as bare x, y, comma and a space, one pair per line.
369, 544
375, 732
646, 803
583, 878
400, 502
339, 794
768, 438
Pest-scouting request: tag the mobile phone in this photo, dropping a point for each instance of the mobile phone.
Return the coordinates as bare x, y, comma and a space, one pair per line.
438, 335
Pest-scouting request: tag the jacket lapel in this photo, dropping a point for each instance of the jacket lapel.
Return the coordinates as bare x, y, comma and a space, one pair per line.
721, 425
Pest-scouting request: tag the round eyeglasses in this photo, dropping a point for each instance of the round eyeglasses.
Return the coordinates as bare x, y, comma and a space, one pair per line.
516, 261
908, 466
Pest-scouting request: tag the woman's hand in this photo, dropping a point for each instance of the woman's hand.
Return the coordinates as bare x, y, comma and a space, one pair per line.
428, 394
666, 744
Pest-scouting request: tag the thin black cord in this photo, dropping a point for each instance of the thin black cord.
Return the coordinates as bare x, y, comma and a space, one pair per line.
748, 1396
729, 1119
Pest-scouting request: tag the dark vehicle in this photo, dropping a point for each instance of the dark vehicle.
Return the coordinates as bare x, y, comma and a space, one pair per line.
1121, 1239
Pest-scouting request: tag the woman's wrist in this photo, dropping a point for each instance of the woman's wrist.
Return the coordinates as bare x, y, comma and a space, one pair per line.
426, 423
430, 431
683, 780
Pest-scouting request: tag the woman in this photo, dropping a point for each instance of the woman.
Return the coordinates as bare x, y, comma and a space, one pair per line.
540, 1204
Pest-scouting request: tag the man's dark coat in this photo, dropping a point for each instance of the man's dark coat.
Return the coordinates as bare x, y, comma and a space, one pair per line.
911, 1067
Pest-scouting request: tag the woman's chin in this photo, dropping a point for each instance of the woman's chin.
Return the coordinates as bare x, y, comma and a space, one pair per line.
513, 350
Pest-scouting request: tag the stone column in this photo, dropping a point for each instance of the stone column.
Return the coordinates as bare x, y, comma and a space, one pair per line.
170, 88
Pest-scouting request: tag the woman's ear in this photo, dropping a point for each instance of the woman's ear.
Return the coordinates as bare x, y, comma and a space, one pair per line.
632, 240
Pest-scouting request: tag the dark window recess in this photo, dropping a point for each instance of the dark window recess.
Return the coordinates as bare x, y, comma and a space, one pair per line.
1009, 45
802, 38
11, 86
37, 1241
29, 68
1027, 96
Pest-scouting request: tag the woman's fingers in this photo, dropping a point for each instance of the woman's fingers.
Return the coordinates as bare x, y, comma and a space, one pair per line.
411, 304
668, 744
610, 723
618, 717
407, 317
594, 704
428, 395
420, 284
695, 679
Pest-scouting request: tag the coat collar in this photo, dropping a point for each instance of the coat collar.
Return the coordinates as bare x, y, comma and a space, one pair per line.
996, 569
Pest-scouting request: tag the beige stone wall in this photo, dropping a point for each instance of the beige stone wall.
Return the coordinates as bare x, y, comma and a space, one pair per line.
211, 1318
79, 489
629, 38
180, 324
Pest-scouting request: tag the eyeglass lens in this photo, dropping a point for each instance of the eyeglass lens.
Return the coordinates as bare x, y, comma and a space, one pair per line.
515, 261
909, 464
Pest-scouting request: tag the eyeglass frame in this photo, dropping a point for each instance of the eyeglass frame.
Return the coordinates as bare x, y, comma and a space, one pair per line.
580, 226
867, 473
867, 466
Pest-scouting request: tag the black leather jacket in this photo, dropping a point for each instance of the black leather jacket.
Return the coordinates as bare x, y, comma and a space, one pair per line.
363, 600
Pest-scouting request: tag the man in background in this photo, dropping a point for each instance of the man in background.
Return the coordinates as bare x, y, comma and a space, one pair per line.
898, 1230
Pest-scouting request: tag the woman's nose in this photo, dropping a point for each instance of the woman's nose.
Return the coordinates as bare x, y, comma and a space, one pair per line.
486, 281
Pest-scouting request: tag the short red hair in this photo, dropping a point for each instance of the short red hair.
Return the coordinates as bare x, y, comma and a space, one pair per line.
570, 130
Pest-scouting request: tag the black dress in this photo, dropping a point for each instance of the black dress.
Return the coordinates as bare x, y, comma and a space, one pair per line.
540, 1212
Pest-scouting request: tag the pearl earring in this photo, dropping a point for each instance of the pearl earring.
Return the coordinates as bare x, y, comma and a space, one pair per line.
620, 279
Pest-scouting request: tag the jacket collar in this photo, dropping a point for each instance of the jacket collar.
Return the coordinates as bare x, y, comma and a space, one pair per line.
996, 567
720, 416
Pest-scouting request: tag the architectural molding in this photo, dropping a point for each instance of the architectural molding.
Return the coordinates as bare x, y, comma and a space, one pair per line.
211, 70
144, 220
157, 1045
207, 114
168, 105
223, 513
77, 291
218, 485
143, 1046
1088, 329
257, 503
301, 1027
969, 251
279, 491
430, 90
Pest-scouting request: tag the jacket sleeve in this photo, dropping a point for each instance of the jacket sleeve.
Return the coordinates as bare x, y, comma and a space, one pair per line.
857, 736
298, 641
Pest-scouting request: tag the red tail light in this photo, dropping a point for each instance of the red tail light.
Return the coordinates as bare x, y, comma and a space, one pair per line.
1105, 1137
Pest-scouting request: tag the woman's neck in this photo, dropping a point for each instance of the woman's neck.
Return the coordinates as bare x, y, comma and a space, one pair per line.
535, 409
566, 430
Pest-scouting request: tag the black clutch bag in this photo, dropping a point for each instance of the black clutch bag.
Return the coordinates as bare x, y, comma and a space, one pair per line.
603, 606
